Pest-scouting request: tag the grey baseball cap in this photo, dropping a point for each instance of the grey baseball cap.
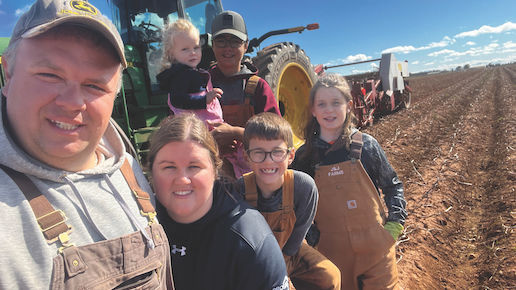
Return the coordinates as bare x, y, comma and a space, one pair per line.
229, 22
46, 14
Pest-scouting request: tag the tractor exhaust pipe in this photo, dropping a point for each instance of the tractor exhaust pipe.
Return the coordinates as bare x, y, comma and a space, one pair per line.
255, 42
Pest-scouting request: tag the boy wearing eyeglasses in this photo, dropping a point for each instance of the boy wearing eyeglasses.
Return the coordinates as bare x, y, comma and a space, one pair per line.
286, 198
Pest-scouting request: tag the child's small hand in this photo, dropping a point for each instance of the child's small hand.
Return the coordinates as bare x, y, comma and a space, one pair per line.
215, 93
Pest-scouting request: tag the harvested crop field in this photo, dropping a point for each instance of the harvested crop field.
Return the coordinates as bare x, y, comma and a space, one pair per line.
455, 151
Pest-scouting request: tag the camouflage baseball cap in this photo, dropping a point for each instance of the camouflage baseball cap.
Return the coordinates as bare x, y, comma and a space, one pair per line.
46, 14
229, 22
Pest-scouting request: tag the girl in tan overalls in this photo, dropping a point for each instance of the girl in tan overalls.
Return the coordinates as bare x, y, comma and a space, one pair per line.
349, 167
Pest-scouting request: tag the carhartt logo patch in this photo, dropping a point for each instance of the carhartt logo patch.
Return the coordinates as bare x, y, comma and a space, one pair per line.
352, 204
175, 250
335, 170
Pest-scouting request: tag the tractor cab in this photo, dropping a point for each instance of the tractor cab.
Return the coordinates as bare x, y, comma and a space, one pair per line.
142, 105
140, 22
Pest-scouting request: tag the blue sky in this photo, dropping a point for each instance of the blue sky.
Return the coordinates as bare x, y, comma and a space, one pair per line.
429, 34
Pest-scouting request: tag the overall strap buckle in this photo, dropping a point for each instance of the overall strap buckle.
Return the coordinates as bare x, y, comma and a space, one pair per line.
142, 197
51, 222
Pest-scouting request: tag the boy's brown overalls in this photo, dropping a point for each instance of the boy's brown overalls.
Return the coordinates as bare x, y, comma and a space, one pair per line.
127, 262
350, 218
308, 266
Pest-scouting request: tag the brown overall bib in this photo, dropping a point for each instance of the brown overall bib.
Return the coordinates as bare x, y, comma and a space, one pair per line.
237, 115
127, 262
308, 268
350, 218
234, 164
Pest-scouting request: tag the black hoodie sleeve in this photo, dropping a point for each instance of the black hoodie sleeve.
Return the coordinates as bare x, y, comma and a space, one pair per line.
260, 263
384, 177
186, 86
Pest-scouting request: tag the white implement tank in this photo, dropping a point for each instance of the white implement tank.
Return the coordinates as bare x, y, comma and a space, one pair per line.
392, 73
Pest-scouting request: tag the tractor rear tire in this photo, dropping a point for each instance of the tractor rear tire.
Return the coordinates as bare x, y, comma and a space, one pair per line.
288, 70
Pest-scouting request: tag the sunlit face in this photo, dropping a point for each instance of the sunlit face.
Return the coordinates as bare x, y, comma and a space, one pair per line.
60, 98
183, 176
229, 58
330, 109
186, 49
269, 173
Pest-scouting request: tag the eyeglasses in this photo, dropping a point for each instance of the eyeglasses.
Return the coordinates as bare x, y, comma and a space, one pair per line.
277, 155
224, 42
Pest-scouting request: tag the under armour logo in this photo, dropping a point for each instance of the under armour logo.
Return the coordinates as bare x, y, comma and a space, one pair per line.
352, 204
175, 250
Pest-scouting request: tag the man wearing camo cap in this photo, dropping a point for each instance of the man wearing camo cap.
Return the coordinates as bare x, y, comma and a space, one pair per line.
73, 212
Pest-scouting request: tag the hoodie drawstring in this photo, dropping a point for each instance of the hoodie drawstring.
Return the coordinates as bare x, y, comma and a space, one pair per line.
78, 195
121, 202
129, 213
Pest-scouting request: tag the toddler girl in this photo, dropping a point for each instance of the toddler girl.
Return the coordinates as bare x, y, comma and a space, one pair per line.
189, 88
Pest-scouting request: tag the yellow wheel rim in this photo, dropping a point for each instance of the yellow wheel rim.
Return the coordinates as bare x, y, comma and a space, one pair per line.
293, 91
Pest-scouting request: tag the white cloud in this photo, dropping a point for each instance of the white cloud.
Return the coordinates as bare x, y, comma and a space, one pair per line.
409, 48
415, 62
477, 62
491, 46
470, 43
443, 43
349, 59
472, 62
486, 29
473, 51
400, 49
443, 51
509, 44
357, 71
358, 57
20, 11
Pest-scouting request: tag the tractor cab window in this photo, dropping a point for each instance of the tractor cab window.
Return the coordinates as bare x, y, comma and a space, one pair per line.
147, 27
202, 13
140, 23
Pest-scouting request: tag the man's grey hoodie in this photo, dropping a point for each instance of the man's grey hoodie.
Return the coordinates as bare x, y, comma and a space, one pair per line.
91, 200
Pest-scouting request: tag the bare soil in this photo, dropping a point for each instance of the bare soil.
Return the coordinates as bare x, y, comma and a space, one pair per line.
455, 151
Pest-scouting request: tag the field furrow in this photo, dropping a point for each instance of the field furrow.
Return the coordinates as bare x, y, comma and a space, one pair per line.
455, 152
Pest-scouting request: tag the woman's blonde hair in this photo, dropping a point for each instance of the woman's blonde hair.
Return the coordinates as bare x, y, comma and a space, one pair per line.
167, 39
312, 127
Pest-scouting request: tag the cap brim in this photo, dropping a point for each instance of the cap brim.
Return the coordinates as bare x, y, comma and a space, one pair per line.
231, 31
86, 22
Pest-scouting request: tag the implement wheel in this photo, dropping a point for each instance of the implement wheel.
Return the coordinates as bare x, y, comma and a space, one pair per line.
407, 99
287, 69
407, 95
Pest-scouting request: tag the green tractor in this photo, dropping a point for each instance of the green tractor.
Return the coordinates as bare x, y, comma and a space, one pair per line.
142, 105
